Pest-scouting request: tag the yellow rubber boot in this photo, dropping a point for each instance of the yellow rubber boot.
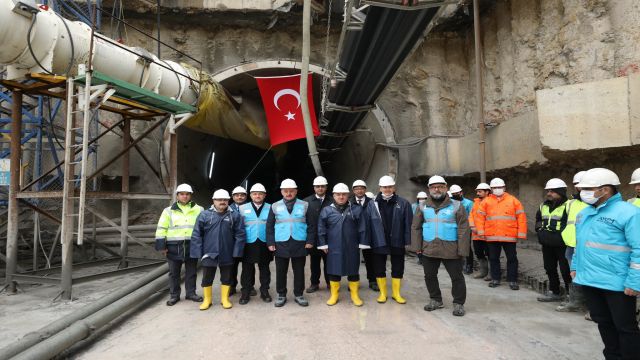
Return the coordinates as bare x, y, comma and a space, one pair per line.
224, 296
354, 286
206, 301
335, 290
382, 284
395, 291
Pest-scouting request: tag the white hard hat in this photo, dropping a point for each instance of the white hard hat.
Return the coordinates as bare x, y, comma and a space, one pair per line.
497, 182
238, 190
220, 194
320, 180
421, 195
455, 189
386, 181
578, 176
288, 184
369, 194
257, 187
555, 183
184, 188
359, 183
483, 186
635, 177
436, 179
340, 188
597, 177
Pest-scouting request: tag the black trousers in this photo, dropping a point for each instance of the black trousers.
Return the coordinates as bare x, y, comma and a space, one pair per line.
234, 272
248, 277
367, 255
553, 256
481, 248
380, 265
282, 268
454, 268
615, 314
318, 256
470, 256
512, 260
209, 272
190, 268
349, 278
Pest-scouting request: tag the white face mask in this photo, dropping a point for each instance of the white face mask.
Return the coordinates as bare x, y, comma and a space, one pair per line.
498, 191
589, 197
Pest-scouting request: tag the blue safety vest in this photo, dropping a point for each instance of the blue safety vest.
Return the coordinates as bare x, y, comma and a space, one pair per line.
292, 225
255, 226
441, 225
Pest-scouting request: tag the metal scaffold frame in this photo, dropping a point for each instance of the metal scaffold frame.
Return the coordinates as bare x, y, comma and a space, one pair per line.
85, 95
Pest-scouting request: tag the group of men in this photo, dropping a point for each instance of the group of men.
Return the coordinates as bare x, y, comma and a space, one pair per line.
594, 238
332, 230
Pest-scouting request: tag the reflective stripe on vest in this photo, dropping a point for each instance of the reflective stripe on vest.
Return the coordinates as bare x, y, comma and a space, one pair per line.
616, 248
255, 226
290, 225
573, 208
180, 224
441, 225
551, 220
634, 201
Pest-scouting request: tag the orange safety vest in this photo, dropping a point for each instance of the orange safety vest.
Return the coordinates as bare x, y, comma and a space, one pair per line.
472, 221
501, 219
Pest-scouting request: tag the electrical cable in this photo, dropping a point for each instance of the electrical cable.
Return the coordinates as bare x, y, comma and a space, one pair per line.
33, 55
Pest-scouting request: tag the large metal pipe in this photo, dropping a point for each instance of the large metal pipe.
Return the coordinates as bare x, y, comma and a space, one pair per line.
55, 327
82, 329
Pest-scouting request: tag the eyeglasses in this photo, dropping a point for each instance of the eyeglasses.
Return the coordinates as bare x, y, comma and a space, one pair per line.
439, 187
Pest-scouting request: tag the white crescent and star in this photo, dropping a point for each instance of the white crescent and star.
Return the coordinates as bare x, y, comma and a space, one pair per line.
282, 93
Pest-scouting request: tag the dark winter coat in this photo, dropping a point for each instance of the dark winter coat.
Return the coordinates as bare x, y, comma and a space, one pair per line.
313, 214
343, 233
217, 238
389, 235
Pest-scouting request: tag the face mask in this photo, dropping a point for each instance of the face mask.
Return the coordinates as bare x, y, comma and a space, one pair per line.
589, 197
498, 192
457, 197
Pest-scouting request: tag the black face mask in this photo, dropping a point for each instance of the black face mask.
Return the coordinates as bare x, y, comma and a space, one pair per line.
457, 197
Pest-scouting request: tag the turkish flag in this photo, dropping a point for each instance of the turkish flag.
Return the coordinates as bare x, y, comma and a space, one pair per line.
281, 101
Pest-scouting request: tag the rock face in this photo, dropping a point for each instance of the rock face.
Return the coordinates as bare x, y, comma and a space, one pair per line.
529, 45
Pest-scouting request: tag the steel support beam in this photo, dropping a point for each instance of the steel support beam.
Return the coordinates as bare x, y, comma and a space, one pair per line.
14, 188
124, 208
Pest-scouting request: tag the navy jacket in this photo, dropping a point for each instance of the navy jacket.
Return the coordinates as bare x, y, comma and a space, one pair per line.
399, 235
217, 238
343, 234
313, 213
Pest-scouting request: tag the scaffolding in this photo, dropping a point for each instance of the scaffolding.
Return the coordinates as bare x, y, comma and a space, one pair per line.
66, 192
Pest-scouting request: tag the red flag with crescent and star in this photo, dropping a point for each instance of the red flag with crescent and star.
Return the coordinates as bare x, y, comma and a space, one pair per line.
282, 106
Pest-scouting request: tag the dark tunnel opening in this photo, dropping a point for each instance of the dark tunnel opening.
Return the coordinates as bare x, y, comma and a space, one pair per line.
233, 161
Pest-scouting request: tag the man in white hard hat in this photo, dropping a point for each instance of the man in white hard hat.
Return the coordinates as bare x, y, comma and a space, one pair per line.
572, 209
607, 262
287, 238
480, 246
421, 198
361, 199
218, 238
389, 218
441, 234
635, 181
318, 258
239, 197
255, 214
173, 236
342, 232
457, 194
502, 221
551, 219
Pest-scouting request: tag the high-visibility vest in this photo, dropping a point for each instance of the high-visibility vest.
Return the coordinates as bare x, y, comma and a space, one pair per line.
441, 224
290, 225
551, 220
176, 225
573, 207
255, 226
501, 219
634, 201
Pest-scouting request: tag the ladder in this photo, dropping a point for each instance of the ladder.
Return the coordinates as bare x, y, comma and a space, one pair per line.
78, 120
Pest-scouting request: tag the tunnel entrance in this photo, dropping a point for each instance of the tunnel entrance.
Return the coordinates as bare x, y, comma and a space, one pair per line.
210, 162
